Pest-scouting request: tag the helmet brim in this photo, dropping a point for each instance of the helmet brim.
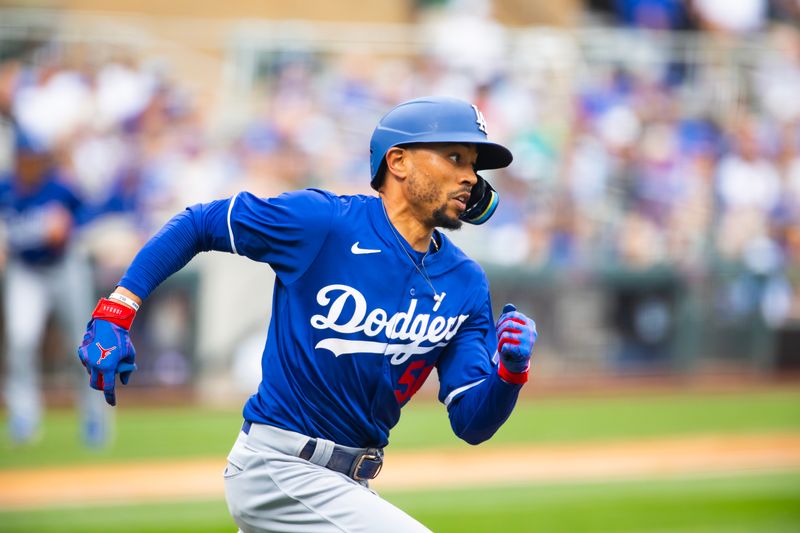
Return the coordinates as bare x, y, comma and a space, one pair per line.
492, 155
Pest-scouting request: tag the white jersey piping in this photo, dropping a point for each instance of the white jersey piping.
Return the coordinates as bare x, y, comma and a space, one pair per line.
459, 390
230, 229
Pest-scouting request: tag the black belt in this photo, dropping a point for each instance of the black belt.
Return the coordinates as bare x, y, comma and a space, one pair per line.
355, 465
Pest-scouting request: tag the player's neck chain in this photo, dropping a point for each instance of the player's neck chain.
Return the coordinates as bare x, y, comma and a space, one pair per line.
421, 266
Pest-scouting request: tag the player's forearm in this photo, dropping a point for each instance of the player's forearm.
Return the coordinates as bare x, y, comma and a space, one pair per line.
178, 241
479, 412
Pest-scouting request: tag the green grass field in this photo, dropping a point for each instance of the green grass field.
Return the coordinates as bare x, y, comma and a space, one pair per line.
755, 502
191, 432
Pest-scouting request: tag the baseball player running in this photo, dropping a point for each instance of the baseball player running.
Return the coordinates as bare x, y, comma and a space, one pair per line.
369, 297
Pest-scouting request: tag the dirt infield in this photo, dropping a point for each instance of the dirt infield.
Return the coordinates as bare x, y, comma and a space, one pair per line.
202, 479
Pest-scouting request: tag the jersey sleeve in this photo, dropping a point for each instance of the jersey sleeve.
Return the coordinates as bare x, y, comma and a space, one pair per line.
198, 228
467, 361
478, 400
286, 231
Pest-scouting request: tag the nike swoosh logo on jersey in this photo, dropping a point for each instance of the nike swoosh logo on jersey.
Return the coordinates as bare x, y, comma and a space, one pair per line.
358, 251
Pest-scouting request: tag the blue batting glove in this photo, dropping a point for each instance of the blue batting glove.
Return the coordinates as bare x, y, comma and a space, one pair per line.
106, 349
516, 336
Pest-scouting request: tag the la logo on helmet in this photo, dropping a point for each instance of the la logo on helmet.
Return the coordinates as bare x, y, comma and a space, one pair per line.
479, 120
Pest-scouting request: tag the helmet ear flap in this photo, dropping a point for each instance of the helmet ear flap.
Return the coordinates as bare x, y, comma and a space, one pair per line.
379, 177
483, 201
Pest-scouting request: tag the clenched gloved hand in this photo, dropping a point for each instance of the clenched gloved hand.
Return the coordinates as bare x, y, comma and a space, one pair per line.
106, 349
516, 334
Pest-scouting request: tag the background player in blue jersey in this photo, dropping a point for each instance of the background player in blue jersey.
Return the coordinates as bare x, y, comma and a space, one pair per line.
44, 273
369, 298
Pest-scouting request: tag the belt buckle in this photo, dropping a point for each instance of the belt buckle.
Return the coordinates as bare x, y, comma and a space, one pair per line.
367, 456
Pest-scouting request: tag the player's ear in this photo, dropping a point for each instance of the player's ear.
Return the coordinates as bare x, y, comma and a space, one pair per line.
397, 161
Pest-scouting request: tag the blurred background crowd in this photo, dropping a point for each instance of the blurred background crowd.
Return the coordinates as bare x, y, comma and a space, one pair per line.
650, 221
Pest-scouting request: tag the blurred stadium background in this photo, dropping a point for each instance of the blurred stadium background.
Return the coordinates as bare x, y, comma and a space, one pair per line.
650, 222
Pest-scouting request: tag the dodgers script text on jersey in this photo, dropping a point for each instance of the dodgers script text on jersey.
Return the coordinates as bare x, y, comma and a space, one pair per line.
423, 332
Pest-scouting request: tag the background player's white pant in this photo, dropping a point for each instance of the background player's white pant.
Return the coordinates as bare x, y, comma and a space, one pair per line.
269, 488
31, 294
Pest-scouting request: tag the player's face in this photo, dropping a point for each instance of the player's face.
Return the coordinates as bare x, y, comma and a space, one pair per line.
440, 182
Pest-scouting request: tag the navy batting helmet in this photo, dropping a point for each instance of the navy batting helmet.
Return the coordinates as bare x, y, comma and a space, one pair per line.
435, 119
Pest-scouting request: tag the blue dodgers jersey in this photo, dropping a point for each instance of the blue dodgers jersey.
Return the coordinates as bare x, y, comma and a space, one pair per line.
25, 212
355, 328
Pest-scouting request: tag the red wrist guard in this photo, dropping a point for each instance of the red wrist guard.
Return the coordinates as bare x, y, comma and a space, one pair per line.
114, 312
515, 378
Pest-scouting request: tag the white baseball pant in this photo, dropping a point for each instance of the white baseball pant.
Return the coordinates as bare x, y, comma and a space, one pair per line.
30, 294
270, 489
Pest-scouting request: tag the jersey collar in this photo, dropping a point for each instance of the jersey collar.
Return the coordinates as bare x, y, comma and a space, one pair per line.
434, 262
